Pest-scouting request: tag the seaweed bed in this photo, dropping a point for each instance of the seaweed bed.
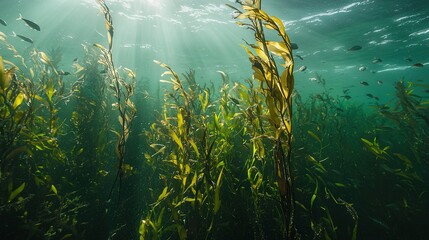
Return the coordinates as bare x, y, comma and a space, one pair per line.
103, 156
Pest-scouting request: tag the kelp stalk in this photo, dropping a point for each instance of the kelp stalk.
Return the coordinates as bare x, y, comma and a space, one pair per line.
277, 90
122, 93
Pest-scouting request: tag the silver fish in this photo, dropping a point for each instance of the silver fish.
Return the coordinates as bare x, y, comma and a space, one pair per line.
29, 40
29, 23
302, 68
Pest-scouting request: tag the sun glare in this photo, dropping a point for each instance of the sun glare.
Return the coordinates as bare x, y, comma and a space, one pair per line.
155, 3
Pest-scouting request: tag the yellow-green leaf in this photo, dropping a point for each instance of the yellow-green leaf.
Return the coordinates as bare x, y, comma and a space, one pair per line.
180, 121
313, 135
340, 184
316, 189
49, 90
18, 100
15, 192
279, 25
194, 146
163, 195
54, 189
217, 193
176, 139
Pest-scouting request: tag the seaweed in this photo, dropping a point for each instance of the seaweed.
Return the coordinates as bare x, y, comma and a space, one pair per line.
195, 161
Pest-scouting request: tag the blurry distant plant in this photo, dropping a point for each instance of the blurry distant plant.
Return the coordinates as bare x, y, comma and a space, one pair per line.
322, 144
56, 55
400, 167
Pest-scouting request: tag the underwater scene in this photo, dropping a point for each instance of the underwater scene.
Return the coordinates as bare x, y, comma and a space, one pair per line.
222, 119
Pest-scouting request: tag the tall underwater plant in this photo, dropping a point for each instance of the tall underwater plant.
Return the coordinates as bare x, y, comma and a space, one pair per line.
122, 92
276, 83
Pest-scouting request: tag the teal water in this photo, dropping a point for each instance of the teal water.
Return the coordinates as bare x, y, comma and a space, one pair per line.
201, 34
359, 152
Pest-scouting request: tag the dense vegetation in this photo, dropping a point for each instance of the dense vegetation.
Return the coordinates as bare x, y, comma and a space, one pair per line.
102, 158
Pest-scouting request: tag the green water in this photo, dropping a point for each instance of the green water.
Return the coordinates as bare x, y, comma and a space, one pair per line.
88, 154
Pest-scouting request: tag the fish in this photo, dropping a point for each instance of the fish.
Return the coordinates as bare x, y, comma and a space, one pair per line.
376, 98
409, 59
2, 22
29, 23
377, 60
370, 95
74, 60
347, 97
294, 46
379, 82
417, 65
355, 48
63, 73
362, 68
29, 40
302, 68
364, 83
298, 56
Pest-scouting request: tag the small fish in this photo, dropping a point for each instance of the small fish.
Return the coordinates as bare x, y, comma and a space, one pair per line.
74, 60
409, 59
347, 97
302, 68
294, 46
418, 65
370, 95
63, 73
355, 48
2, 22
364, 83
376, 98
345, 91
29, 23
379, 82
298, 56
29, 40
377, 60
362, 68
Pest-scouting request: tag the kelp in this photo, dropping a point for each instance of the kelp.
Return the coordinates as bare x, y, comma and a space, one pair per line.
212, 163
122, 91
276, 86
191, 130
